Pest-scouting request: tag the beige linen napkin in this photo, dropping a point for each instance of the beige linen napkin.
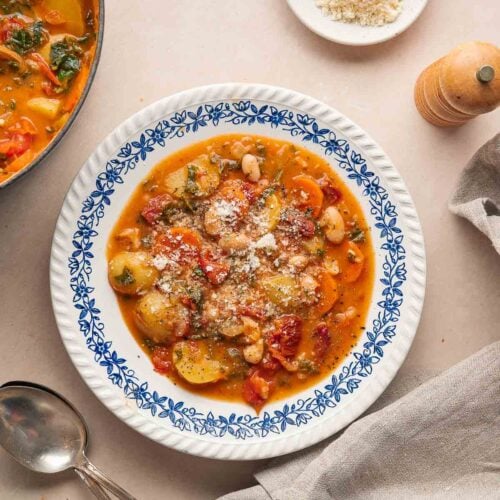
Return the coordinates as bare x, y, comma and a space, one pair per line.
477, 197
440, 441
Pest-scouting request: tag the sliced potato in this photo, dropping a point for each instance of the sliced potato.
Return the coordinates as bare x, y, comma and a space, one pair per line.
205, 175
197, 179
159, 318
131, 272
175, 182
282, 290
193, 363
272, 210
61, 121
45, 106
70, 12
315, 246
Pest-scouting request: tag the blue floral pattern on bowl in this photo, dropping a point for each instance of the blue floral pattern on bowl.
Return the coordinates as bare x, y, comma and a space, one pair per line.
351, 375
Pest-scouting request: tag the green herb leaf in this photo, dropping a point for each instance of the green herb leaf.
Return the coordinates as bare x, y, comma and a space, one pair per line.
278, 176
196, 295
191, 186
351, 256
357, 235
265, 195
126, 278
307, 366
65, 58
26, 39
198, 271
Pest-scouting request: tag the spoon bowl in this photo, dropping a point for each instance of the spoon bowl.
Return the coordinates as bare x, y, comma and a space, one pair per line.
45, 433
39, 429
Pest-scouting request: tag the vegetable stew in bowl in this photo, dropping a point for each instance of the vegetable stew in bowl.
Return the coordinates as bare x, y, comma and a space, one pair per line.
244, 267
47, 54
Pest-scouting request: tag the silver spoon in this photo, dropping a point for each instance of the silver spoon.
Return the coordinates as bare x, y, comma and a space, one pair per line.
45, 433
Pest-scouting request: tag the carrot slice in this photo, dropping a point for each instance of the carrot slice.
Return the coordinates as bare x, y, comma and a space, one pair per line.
186, 236
313, 194
24, 126
329, 293
20, 162
354, 263
45, 68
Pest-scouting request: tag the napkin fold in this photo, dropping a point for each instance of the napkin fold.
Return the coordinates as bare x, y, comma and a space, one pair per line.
477, 196
440, 441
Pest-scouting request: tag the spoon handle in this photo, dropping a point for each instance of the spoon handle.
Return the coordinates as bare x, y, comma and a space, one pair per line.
96, 489
97, 476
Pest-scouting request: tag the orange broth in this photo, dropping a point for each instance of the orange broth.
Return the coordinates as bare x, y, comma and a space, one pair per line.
283, 161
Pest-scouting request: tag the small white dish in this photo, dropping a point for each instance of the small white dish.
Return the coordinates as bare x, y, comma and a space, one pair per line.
108, 357
355, 34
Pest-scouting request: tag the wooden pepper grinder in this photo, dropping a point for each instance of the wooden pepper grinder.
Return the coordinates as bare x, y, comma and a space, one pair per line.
461, 85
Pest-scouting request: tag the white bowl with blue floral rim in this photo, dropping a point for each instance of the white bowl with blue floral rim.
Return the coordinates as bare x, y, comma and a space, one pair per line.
110, 360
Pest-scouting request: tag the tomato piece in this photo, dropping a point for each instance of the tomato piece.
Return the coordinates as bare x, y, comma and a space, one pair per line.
162, 360
354, 263
8, 26
253, 312
188, 302
250, 192
213, 267
153, 209
251, 396
48, 89
269, 364
331, 193
257, 387
287, 335
310, 194
322, 341
299, 224
16, 145
328, 293
45, 68
179, 243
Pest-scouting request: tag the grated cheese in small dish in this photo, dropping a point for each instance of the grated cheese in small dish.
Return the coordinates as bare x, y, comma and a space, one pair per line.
363, 12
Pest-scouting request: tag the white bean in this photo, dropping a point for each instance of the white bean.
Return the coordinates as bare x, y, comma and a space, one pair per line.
253, 353
234, 241
309, 286
231, 329
250, 167
349, 314
299, 262
251, 329
333, 225
212, 222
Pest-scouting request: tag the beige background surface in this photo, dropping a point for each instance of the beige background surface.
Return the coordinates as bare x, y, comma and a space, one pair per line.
156, 47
